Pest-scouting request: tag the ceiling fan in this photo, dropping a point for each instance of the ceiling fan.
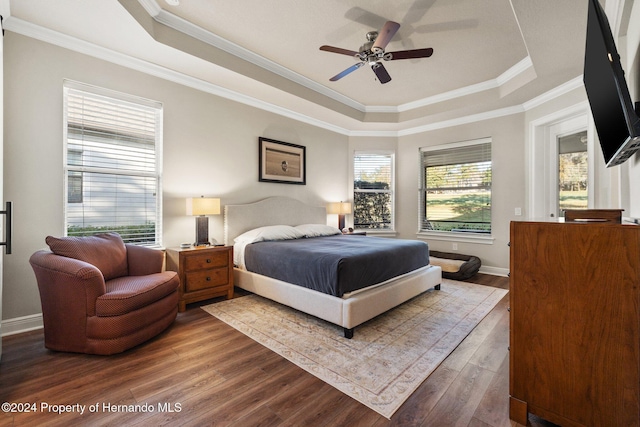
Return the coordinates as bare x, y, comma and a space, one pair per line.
372, 53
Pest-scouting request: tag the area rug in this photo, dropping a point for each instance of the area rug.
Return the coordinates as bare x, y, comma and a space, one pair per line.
388, 356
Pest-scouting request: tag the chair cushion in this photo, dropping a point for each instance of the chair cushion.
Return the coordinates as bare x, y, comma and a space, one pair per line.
126, 294
106, 251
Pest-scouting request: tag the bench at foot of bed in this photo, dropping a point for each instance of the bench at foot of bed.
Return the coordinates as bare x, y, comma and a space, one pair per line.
348, 332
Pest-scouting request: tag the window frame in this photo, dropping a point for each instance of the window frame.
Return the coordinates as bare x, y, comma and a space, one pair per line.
391, 231
155, 174
451, 236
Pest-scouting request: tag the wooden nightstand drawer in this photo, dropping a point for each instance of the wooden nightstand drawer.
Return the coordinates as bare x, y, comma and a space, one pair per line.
206, 260
205, 272
206, 279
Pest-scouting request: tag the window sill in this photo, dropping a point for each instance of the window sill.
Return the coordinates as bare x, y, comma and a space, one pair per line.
449, 236
378, 233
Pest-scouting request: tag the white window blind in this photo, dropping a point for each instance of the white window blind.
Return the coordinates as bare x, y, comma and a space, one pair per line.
112, 163
373, 191
456, 188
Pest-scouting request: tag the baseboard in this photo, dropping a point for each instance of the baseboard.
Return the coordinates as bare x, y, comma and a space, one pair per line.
496, 271
22, 324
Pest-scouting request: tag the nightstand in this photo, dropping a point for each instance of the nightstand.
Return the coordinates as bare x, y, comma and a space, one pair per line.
205, 272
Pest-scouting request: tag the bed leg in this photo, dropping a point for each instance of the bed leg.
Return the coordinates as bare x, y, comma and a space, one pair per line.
437, 287
348, 333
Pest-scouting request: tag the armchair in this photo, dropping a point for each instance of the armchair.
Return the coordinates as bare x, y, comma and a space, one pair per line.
102, 296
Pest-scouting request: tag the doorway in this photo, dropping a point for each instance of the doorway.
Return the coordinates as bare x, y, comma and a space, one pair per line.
573, 172
560, 163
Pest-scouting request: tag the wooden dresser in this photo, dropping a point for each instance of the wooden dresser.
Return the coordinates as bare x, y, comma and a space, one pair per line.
575, 323
205, 272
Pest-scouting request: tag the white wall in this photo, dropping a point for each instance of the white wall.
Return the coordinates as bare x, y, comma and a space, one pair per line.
630, 56
210, 148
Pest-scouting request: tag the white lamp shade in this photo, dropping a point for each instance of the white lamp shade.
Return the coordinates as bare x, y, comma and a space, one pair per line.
340, 208
203, 206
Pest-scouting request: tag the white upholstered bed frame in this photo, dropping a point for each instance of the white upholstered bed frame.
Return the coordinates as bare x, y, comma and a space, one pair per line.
347, 312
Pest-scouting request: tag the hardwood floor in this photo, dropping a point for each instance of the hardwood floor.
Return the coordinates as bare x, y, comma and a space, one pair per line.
203, 372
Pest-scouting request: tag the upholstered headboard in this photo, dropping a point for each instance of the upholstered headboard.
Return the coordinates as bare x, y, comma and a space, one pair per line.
271, 211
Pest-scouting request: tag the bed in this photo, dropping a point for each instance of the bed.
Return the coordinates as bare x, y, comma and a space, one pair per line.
346, 307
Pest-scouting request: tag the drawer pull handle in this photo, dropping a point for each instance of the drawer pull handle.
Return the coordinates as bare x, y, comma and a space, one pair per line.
208, 279
208, 261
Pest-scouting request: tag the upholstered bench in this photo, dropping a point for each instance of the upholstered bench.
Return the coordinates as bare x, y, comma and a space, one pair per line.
455, 266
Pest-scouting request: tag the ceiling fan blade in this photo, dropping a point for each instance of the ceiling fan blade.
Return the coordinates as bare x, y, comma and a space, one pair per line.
338, 50
408, 54
385, 35
347, 71
381, 73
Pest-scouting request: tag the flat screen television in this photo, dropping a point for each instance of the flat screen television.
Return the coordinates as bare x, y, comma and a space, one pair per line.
616, 120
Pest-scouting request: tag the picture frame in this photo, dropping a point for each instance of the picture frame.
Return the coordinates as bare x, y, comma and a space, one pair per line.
282, 162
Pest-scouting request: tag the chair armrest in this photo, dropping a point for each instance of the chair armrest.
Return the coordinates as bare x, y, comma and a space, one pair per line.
66, 281
143, 261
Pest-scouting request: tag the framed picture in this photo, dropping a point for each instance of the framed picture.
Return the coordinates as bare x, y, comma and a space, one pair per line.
282, 162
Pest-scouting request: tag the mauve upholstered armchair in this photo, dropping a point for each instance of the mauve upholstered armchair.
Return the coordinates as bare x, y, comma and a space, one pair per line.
102, 296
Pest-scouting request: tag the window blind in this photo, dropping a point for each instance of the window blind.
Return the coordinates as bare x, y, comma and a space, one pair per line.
372, 171
456, 188
112, 165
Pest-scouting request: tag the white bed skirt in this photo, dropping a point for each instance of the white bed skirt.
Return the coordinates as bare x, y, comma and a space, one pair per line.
346, 312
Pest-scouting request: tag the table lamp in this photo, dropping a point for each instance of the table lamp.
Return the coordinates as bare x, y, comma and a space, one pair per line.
200, 207
340, 208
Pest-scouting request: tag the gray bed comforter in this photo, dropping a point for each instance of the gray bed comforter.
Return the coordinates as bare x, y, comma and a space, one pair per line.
337, 264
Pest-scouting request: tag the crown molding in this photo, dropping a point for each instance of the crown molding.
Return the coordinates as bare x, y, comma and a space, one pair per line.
522, 66
175, 22
473, 118
556, 92
179, 24
28, 29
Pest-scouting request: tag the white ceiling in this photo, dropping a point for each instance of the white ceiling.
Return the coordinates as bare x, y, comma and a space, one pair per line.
489, 55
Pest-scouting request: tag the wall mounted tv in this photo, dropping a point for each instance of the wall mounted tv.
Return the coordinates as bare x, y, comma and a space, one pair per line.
616, 120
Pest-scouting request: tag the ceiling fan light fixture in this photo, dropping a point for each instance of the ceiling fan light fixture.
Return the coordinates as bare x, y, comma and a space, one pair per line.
373, 52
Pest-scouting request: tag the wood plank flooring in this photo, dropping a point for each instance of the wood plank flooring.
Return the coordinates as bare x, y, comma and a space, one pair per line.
203, 372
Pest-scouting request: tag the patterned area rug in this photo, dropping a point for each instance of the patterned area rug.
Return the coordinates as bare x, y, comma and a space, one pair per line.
387, 358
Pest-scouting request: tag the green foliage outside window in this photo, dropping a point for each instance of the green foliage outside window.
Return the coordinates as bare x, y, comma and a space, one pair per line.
372, 210
135, 234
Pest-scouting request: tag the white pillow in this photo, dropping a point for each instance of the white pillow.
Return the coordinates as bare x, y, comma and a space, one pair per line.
270, 232
317, 230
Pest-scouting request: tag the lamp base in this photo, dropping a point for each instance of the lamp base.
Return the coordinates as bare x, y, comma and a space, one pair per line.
202, 231
340, 221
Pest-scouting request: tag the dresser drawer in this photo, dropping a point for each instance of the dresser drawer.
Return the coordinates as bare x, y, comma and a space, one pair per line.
205, 272
206, 260
206, 279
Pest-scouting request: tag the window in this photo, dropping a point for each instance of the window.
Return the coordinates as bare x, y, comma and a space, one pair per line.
456, 187
573, 172
112, 164
373, 191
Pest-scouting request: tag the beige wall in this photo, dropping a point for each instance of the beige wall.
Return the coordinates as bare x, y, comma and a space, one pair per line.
507, 135
210, 148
